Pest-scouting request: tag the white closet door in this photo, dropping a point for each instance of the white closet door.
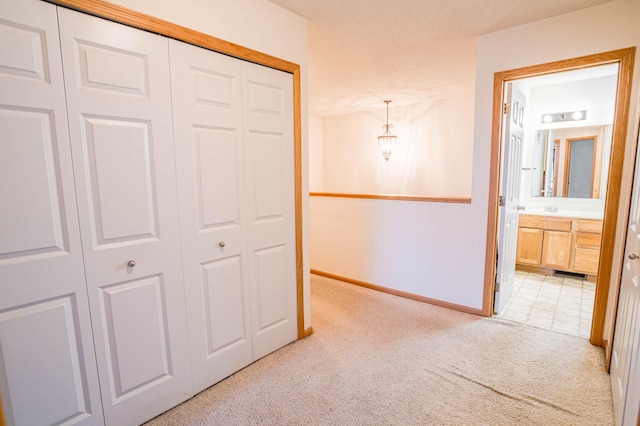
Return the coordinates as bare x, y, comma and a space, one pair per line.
209, 156
269, 174
47, 364
119, 103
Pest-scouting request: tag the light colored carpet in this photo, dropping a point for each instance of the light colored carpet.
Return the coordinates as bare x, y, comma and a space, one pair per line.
377, 359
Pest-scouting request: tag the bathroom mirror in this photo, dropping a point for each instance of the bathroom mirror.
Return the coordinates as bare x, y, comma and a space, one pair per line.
571, 162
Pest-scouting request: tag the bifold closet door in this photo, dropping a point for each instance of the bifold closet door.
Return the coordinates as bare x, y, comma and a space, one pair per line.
47, 363
267, 96
207, 109
234, 151
119, 106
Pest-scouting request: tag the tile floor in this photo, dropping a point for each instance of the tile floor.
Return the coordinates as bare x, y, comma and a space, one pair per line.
554, 303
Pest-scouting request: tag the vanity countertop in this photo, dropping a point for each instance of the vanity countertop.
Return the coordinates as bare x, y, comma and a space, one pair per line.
564, 213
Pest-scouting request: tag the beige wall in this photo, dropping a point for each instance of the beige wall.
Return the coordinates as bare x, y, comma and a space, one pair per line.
438, 250
316, 158
432, 157
258, 25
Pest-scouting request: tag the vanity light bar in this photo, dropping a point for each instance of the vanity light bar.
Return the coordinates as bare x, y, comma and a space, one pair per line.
564, 116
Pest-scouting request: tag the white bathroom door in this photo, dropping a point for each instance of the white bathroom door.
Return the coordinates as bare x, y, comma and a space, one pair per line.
512, 137
270, 189
47, 364
625, 356
119, 103
207, 110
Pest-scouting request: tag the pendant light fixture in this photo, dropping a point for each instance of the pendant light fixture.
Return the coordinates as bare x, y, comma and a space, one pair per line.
387, 140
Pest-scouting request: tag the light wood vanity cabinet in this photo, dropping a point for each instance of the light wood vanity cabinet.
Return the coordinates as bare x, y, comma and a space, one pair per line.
587, 246
529, 250
559, 243
556, 250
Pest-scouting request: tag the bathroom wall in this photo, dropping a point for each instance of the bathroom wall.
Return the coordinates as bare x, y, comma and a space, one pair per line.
597, 96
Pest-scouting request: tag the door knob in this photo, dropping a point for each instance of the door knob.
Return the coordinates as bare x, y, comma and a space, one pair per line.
521, 207
221, 244
131, 263
633, 256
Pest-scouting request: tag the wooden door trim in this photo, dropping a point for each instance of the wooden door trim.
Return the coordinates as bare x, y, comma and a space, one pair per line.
624, 58
556, 161
132, 18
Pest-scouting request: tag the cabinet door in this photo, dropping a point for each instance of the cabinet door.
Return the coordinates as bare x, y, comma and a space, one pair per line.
556, 249
586, 260
47, 363
118, 97
207, 98
269, 176
529, 250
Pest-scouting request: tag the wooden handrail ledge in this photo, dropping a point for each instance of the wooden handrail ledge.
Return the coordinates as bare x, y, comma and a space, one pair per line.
459, 200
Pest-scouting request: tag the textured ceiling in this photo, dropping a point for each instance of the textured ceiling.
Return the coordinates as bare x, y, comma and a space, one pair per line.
364, 51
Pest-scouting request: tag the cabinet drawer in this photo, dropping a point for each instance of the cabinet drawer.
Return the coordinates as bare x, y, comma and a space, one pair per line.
544, 222
588, 240
586, 225
586, 260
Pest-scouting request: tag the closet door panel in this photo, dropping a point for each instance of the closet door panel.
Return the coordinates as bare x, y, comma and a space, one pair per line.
119, 104
48, 372
209, 156
269, 174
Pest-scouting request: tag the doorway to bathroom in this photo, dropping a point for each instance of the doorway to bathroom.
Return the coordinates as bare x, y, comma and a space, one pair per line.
560, 177
566, 241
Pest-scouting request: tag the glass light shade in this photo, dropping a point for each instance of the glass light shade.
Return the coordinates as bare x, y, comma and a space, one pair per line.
386, 142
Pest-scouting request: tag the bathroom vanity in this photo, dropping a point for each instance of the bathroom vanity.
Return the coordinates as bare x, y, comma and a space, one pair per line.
548, 243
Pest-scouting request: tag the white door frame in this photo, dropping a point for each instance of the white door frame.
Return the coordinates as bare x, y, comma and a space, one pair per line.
624, 58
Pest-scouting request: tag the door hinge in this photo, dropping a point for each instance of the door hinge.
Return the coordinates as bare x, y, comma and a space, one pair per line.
497, 287
506, 108
501, 201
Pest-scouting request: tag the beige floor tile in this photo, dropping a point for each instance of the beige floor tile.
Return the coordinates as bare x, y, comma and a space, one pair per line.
587, 309
585, 329
544, 306
570, 319
537, 313
526, 296
566, 328
525, 309
547, 298
551, 286
530, 288
534, 278
571, 304
569, 312
552, 302
570, 298
549, 294
585, 334
516, 316
570, 282
571, 290
540, 322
